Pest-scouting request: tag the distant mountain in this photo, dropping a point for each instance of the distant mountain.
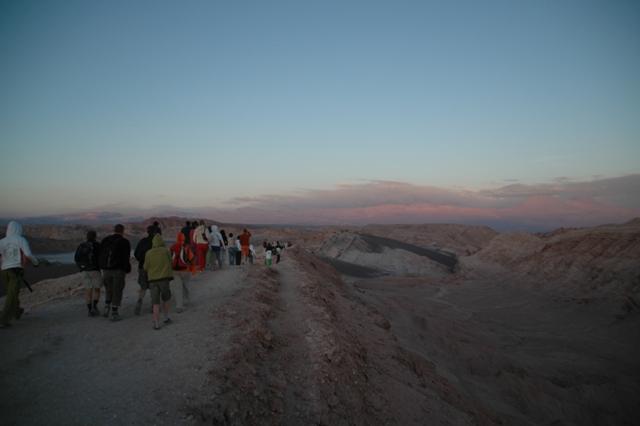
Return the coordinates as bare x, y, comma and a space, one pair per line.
87, 218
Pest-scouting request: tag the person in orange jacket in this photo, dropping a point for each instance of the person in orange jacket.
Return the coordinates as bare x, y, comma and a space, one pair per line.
245, 242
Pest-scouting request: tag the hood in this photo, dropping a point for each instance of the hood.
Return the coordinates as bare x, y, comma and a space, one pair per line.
180, 238
157, 241
214, 228
14, 228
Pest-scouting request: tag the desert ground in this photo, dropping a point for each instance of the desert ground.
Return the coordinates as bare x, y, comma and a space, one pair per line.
400, 325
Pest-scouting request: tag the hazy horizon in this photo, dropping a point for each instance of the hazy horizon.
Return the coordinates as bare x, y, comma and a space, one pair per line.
512, 207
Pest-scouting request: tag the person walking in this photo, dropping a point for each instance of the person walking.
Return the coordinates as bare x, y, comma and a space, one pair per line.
115, 251
86, 258
201, 246
181, 263
216, 243
245, 242
225, 244
231, 249
268, 253
157, 264
14, 252
192, 231
143, 246
186, 231
238, 251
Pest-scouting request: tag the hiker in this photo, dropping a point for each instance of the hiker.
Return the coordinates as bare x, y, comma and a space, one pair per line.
278, 249
201, 246
216, 243
225, 241
231, 250
143, 246
245, 241
268, 252
238, 251
157, 264
86, 259
194, 225
186, 231
14, 251
114, 263
252, 253
182, 264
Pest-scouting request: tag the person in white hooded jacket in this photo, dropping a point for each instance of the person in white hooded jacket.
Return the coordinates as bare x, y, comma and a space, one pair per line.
14, 250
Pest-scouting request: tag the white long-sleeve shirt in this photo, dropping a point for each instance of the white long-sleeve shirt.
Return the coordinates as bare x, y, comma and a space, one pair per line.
215, 237
14, 246
197, 235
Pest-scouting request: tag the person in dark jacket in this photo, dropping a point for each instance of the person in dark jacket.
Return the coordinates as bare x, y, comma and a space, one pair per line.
143, 246
114, 262
186, 231
226, 244
86, 258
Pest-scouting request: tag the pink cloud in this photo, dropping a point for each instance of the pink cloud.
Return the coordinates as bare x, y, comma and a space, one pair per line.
561, 203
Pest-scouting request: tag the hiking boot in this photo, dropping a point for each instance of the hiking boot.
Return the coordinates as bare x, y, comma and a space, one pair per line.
138, 307
107, 310
96, 311
156, 326
115, 317
19, 313
167, 321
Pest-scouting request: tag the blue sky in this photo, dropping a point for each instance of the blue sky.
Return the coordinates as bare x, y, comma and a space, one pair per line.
191, 104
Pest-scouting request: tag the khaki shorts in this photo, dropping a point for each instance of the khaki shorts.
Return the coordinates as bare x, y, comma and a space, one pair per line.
92, 279
159, 291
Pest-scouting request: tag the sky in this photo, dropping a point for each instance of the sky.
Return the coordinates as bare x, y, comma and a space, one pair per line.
252, 109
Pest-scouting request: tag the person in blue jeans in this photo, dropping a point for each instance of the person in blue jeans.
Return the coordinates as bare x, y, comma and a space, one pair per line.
216, 244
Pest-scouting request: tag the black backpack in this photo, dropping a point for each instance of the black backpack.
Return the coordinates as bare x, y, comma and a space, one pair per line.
86, 257
108, 256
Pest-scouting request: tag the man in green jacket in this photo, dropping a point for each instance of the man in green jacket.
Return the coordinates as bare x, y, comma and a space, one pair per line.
157, 264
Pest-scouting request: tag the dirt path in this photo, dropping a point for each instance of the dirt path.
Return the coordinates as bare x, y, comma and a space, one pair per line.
287, 362
291, 326
61, 367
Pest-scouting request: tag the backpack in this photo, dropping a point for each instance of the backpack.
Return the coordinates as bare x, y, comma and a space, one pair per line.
181, 260
108, 256
85, 256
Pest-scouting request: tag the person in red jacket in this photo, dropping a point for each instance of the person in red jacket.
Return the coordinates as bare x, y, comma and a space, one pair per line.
201, 245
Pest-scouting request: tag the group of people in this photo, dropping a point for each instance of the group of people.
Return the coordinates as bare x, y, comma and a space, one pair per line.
210, 245
163, 272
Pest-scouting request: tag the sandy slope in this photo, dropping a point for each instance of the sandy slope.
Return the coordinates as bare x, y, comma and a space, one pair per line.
308, 348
